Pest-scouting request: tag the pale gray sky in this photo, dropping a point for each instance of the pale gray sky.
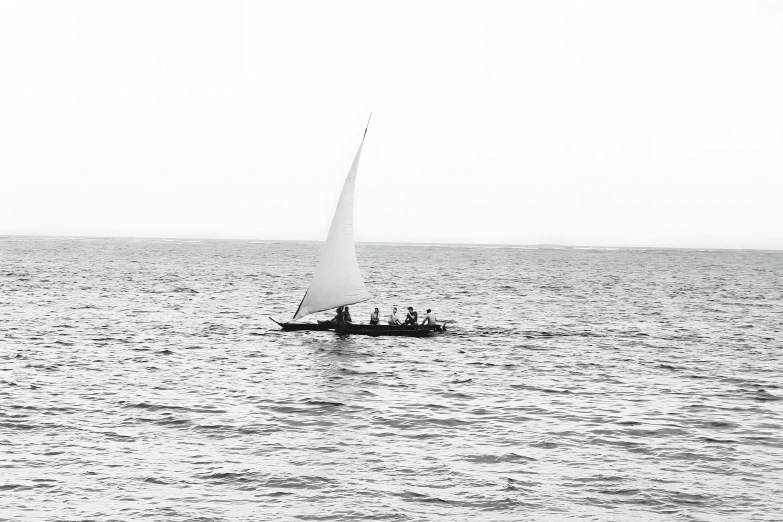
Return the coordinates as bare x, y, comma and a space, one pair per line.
590, 123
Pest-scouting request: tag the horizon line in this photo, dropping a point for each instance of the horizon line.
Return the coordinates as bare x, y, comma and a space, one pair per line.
408, 243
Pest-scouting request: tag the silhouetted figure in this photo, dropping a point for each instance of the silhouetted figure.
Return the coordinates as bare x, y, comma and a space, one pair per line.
430, 319
338, 318
412, 318
393, 320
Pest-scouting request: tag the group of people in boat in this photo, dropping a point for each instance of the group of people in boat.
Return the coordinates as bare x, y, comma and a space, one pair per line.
343, 316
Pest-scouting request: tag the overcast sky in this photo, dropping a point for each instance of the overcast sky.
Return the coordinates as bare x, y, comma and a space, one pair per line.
584, 123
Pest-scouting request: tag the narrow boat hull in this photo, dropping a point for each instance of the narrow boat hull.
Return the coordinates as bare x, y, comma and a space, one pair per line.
386, 330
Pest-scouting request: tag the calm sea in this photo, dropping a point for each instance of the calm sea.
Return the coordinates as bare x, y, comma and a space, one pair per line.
142, 380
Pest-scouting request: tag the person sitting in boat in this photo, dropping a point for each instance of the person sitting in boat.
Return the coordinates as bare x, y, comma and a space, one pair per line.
347, 315
412, 318
430, 319
375, 317
336, 319
393, 320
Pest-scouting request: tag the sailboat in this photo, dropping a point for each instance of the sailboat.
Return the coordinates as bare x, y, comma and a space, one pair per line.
337, 280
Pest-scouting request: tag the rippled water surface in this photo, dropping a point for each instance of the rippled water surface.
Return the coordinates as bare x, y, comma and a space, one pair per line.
142, 380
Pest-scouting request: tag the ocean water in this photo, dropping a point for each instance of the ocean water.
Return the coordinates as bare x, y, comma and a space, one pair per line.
142, 380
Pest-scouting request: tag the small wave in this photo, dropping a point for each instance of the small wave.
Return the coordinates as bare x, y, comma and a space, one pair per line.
763, 395
688, 499
599, 478
493, 459
168, 407
541, 389
713, 440
279, 493
545, 444
15, 487
421, 497
156, 480
620, 491
315, 402
357, 372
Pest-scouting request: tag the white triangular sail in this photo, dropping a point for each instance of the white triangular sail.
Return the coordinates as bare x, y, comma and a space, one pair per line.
337, 281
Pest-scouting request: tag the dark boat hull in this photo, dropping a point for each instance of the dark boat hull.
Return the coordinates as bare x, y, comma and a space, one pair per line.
385, 330
315, 327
